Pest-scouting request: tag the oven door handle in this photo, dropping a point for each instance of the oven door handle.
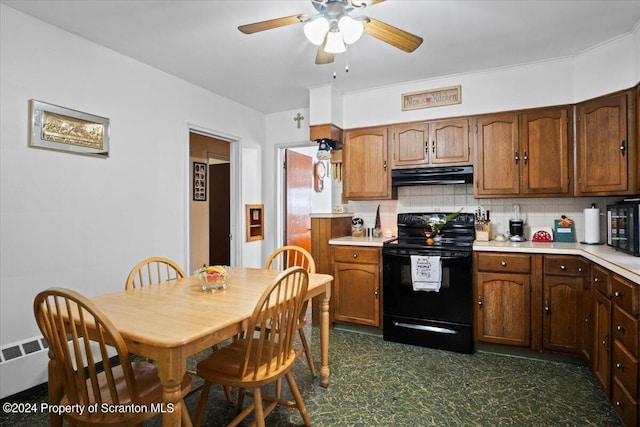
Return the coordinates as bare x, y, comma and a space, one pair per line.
425, 328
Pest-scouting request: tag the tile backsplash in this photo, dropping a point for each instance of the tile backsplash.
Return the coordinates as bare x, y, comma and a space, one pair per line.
537, 212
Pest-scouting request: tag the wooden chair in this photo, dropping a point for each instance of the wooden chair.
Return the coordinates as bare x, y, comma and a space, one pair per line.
281, 259
264, 356
152, 271
80, 335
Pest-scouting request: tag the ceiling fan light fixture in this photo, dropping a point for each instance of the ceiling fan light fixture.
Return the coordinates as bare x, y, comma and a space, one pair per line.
316, 30
335, 43
351, 29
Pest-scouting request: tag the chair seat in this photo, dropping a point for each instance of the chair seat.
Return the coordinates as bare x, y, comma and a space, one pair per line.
147, 382
223, 366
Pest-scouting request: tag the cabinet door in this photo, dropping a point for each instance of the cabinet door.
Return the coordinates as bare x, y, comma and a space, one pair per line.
366, 172
497, 171
603, 146
544, 146
356, 293
587, 321
503, 309
449, 142
602, 341
410, 145
562, 320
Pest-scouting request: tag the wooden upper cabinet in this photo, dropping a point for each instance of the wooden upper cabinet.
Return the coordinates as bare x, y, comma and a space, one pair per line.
545, 152
366, 168
497, 170
523, 154
604, 149
410, 145
437, 143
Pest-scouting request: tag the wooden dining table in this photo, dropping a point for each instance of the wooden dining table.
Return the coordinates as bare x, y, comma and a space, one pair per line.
173, 320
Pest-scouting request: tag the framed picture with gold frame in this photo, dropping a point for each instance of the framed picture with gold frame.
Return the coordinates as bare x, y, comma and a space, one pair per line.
60, 128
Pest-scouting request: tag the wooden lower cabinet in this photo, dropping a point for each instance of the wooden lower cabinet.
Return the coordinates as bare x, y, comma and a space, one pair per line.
323, 229
503, 298
602, 341
625, 332
357, 285
562, 317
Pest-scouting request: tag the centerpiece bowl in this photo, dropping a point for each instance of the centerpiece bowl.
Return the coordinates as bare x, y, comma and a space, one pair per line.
214, 277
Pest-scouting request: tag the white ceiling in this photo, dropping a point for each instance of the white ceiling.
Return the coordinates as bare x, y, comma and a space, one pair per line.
271, 71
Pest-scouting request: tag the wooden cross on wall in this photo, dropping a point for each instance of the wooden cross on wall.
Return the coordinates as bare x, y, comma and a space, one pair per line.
298, 118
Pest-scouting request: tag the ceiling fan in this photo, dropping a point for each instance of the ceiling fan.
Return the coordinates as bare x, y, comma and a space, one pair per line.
332, 28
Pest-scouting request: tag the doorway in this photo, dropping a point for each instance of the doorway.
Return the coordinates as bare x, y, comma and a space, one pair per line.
298, 195
211, 224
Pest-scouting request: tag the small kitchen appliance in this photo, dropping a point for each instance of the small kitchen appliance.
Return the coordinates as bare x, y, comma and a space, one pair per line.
516, 226
623, 226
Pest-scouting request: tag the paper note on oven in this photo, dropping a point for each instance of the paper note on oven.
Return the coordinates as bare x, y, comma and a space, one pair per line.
426, 273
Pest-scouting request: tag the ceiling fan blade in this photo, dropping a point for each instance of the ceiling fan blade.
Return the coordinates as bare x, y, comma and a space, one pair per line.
323, 57
271, 24
392, 35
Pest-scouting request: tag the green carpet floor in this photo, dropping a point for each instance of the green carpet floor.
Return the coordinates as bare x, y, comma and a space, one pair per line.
379, 383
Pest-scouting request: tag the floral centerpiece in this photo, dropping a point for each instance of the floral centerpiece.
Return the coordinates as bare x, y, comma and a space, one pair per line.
435, 224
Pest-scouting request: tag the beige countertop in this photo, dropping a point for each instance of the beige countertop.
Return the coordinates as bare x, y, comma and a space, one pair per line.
360, 241
625, 265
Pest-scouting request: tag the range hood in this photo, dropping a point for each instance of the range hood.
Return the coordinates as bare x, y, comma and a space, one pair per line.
432, 176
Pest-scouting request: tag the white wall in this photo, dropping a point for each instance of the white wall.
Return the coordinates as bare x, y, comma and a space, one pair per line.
83, 222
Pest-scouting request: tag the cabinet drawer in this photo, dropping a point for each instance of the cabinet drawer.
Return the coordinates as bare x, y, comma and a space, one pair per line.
565, 266
624, 404
356, 254
601, 280
625, 368
625, 330
625, 294
507, 263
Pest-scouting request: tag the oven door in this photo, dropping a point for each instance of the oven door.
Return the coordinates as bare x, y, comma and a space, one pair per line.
452, 303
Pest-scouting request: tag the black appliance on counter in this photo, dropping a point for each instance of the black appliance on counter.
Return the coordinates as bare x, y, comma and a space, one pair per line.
438, 319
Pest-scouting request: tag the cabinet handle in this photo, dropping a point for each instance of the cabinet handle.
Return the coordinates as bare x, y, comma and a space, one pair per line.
579, 269
433, 147
595, 279
620, 329
516, 157
563, 267
547, 309
384, 165
620, 366
479, 302
525, 158
355, 255
623, 147
376, 292
618, 294
503, 263
426, 147
605, 343
619, 404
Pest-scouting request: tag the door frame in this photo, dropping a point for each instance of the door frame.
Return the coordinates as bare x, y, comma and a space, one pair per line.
281, 221
235, 249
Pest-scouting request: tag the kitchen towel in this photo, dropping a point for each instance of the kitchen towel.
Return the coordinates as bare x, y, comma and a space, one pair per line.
426, 273
592, 225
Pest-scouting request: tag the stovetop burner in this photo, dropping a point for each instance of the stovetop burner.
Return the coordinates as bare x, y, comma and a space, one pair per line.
458, 233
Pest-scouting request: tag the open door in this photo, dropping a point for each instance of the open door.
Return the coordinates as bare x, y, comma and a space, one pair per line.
219, 214
298, 195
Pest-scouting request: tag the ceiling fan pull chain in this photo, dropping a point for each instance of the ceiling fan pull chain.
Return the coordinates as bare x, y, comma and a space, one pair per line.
346, 60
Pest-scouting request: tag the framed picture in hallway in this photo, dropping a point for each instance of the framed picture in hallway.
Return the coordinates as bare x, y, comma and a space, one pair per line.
199, 182
59, 128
